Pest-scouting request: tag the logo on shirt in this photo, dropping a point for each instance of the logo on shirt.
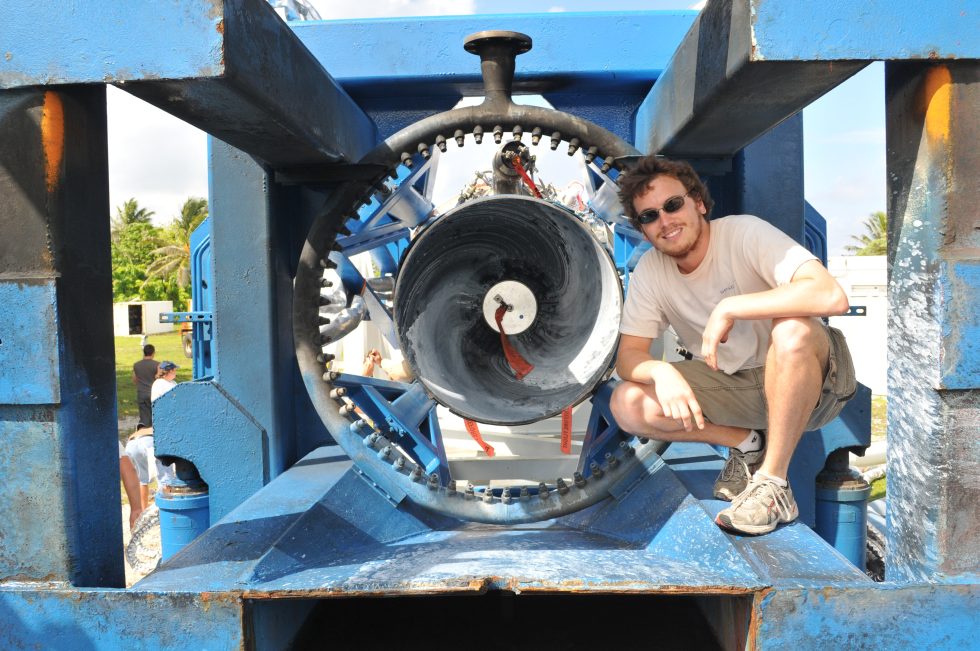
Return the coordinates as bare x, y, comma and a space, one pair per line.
729, 289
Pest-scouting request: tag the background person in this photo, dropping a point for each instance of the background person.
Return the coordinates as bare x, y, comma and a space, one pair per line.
166, 379
131, 484
139, 449
144, 374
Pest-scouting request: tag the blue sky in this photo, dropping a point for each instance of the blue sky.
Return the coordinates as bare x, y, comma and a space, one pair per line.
161, 161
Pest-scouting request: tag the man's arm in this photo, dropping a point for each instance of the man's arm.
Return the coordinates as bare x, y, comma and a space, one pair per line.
812, 291
674, 394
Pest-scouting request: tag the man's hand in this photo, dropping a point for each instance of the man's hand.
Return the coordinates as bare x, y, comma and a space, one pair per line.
134, 514
373, 358
720, 323
676, 397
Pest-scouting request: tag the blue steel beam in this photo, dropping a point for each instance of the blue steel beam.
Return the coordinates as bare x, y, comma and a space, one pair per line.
59, 493
599, 66
229, 67
746, 65
34, 617
409, 57
933, 322
250, 398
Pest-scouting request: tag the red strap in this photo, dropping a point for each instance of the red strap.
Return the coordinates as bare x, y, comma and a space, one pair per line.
520, 365
516, 162
566, 430
474, 430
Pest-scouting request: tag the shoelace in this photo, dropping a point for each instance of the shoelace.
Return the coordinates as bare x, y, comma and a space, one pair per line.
760, 490
733, 464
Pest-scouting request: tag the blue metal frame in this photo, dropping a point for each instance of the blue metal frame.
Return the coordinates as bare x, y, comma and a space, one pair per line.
405, 414
314, 530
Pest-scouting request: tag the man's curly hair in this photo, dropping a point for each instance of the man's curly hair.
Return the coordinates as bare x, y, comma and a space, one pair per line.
634, 182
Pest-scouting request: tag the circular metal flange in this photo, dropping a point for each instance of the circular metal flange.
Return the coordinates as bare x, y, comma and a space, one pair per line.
361, 442
520, 43
520, 303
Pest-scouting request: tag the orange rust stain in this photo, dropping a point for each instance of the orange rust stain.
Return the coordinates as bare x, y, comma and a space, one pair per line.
937, 98
221, 27
52, 137
755, 621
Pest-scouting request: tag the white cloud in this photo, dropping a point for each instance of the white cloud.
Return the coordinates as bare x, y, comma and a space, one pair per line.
343, 9
556, 9
153, 157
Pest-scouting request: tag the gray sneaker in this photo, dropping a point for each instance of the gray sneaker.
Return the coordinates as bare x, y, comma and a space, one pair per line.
758, 509
739, 467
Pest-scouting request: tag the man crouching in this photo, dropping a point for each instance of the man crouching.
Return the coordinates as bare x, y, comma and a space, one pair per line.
744, 299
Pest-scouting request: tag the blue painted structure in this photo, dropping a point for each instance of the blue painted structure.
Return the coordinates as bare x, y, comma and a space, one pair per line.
248, 429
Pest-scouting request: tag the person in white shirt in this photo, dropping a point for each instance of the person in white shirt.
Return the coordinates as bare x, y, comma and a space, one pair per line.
165, 381
744, 299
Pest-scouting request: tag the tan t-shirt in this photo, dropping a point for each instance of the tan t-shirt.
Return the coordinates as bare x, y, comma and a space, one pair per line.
745, 255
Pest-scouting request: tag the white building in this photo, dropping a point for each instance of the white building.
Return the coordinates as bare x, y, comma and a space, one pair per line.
140, 318
865, 279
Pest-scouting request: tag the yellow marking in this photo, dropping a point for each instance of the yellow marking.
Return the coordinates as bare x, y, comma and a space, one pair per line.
938, 99
52, 137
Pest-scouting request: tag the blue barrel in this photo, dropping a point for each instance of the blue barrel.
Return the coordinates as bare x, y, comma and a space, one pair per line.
183, 517
842, 518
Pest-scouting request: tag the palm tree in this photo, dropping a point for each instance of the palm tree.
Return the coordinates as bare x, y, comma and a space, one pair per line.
174, 252
128, 213
874, 242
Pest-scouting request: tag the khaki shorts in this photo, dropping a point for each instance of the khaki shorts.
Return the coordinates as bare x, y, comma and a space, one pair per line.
739, 400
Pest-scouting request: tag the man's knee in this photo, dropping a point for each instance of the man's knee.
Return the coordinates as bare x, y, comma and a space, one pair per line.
632, 406
795, 336
626, 402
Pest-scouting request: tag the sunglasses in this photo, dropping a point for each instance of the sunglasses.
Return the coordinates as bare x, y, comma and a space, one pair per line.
670, 206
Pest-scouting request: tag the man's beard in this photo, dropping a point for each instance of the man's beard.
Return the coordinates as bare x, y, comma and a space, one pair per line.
680, 253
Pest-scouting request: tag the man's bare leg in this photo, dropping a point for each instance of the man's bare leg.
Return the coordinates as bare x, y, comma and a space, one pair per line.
795, 366
637, 411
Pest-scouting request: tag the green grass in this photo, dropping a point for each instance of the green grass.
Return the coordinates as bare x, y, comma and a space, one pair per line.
129, 351
879, 417
878, 489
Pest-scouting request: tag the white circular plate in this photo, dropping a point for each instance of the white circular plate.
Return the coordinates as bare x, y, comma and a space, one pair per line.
524, 307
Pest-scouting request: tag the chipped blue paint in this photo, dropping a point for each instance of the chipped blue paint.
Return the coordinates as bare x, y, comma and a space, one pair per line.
98, 42
789, 30
229, 67
202, 423
28, 342
886, 617
961, 324
932, 379
58, 618
417, 66
317, 530
557, 50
